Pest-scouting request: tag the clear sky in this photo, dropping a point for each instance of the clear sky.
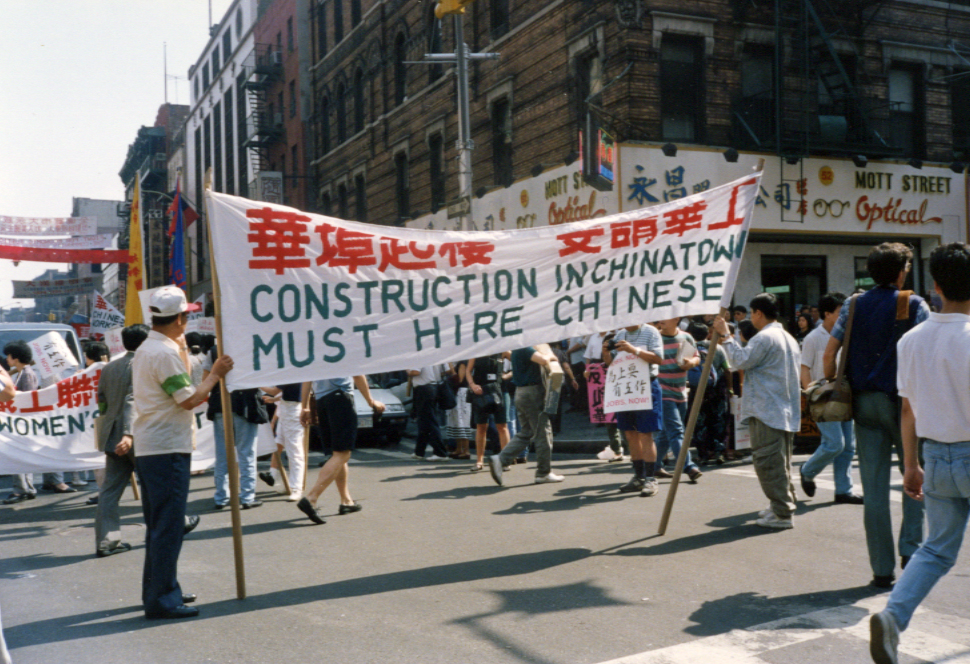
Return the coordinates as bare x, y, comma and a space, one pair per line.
79, 78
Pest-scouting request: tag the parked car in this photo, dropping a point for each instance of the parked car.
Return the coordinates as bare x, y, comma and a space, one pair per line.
388, 427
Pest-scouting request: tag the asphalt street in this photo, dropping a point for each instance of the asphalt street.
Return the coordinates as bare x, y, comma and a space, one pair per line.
443, 566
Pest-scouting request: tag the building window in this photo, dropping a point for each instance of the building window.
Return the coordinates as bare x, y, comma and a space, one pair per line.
960, 114
342, 204
498, 17
289, 35
904, 109
338, 21
227, 43
325, 205
324, 125
402, 185
754, 122
217, 147
400, 70
294, 164
501, 117
242, 111
359, 100
360, 196
321, 31
196, 83
200, 246
230, 145
279, 43
292, 99
681, 89
355, 14
434, 43
215, 61
436, 153
589, 84
341, 113
239, 22
205, 76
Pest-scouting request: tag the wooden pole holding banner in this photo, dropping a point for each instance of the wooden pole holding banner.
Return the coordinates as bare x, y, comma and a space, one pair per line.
230, 440
283, 473
134, 487
308, 403
692, 418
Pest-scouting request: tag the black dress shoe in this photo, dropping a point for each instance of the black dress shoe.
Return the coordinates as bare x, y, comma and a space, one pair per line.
903, 561
17, 498
220, 506
310, 511
267, 477
849, 499
884, 582
347, 509
188, 598
808, 486
56, 489
252, 505
93, 500
121, 548
190, 523
173, 614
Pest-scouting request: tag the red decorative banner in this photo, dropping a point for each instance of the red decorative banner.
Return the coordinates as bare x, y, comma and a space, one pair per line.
65, 255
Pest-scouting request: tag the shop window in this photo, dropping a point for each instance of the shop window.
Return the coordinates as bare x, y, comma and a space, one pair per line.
794, 280
498, 17
960, 114
402, 185
681, 89
400, 70
501, 118
359, 118
360, 195
862, 278
436, 158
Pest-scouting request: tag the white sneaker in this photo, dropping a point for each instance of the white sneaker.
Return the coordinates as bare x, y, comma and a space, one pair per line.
294, 497
774, 521
765, 512
549, 479
436, 458
883, 638
417, 458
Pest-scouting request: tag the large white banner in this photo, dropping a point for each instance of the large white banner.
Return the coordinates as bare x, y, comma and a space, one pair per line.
306, 296
48, 225
52, 429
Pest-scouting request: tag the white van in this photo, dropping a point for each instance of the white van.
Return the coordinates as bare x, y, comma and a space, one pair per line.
30, 331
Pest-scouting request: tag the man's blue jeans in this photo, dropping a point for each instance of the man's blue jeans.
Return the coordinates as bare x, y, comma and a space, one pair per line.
838, 448
672, 435
244, 434
946, 493
877, 436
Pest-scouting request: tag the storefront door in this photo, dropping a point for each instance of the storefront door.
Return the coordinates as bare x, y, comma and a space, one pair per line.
795, 280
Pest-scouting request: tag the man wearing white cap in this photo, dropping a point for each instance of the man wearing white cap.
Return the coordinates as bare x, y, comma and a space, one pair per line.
164, 437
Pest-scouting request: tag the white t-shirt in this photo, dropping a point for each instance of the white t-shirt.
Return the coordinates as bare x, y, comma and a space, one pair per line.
594, 347
933, 372
813, 349
576, 356
428, 376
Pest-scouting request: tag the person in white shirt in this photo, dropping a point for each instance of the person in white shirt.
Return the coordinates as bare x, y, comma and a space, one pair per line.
838, 444
425, 384
933, 377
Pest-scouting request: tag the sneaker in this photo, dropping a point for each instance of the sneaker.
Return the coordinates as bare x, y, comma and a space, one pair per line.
694, 474
550, 479
663, 472
268, 478
635, 484
650, 488
765, 512
774, 521
495, 467
79, 483
417, 458
294, 497
435, 457
883, 638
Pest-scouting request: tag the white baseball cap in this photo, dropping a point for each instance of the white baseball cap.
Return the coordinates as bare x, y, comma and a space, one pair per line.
169, 301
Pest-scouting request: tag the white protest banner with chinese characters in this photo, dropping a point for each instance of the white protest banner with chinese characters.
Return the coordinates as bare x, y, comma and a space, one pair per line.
112, 338
201, 324
52, 429
48, 225
52, 357
307, 297
627, 385
596, 389
104, 316
100, 241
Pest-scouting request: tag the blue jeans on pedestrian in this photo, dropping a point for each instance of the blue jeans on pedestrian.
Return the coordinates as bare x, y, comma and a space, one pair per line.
672, 434
244, 434
838, 448
877, 436
946, 493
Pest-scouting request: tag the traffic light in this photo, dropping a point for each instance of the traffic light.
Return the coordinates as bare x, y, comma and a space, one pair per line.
446, 7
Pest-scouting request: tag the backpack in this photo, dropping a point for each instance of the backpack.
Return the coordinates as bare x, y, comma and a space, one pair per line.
694, 375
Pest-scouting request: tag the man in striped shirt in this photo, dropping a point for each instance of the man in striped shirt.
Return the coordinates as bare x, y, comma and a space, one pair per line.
679, 356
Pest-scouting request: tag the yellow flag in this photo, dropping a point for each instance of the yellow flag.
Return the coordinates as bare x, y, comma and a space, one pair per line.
136, 269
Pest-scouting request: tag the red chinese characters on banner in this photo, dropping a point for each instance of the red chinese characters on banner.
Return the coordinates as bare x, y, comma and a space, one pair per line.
625, 234
394, 253
580, 242
732, 218
35, 406
7, 407
471, 253
687, 218
280, 239
350, 249
77, 391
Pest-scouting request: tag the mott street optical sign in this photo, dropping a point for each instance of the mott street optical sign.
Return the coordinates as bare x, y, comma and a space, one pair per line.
48, 225
307, 297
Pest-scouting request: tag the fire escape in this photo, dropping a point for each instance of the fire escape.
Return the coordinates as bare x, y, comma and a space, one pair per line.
264, 126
